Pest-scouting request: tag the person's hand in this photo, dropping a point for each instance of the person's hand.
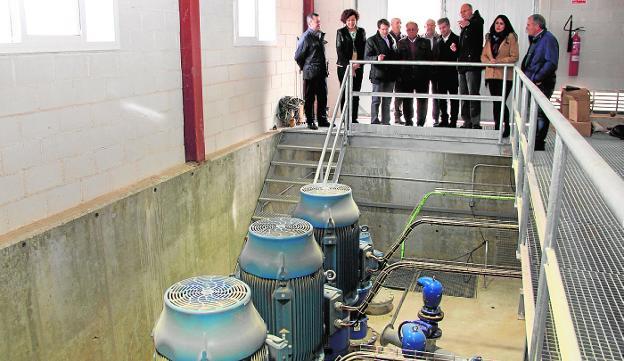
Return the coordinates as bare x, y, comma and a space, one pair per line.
356, 66
463, 23
381, 57
493, 61
453, 47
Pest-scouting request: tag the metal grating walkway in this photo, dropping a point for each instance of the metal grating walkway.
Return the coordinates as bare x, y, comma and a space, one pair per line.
590, 253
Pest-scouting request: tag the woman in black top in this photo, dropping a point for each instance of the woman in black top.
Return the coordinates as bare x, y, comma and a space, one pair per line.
350, 43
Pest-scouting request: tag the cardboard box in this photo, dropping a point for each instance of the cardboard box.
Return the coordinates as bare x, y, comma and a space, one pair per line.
565, 105
584, 128
579, 111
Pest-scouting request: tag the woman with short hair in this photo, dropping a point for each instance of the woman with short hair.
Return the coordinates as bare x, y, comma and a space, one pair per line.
501, 47
350, 43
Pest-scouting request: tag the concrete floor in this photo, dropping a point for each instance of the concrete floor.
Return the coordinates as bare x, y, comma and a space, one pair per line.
487, 325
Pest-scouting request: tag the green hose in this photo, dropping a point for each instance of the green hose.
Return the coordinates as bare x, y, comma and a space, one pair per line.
444, 193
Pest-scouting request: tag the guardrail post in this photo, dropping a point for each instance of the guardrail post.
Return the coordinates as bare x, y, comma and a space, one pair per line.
501, 119
555, 193
349, 101
532, 131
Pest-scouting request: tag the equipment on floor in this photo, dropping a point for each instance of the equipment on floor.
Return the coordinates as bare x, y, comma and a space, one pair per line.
282, 264
199, 317
331, 210
419, 335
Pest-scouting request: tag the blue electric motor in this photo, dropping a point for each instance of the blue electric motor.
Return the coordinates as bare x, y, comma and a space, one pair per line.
283, 265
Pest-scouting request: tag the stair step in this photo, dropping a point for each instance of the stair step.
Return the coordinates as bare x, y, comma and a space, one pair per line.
284, 180
303, 147
279, 198
299, 163
262, 215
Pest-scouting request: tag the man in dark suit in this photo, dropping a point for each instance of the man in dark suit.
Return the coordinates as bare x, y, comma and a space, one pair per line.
446, 50
380, 47
310, 56
470, 47
395, 32
540, 65
414, 77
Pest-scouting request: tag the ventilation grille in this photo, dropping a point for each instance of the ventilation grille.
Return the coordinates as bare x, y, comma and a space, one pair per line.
281, 227
326, 189
208, 293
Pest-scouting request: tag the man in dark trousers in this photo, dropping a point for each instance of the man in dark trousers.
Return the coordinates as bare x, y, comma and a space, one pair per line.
414, 77
540, 66
310, 56
446, 50
470, 47
395, 32
380, 47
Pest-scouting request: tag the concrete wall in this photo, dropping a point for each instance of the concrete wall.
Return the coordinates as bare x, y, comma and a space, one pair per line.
601, 56
90, 285
431, 170
243, 84
76, 125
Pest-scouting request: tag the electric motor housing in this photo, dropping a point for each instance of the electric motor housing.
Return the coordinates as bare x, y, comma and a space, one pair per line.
283, 265
331, 210
199, 317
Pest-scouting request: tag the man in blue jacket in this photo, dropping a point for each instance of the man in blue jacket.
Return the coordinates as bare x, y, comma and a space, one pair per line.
540, 66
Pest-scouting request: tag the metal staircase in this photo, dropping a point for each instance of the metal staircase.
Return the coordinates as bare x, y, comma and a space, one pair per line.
304, 156
293, 166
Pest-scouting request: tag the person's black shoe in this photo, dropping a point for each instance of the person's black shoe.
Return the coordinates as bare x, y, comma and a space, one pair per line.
398, 121
441, 125
436, 123
539, 146
452, 125
476, 126
324, 124
355, 121
506, 133
376, 121
409, 123
385, 123
466, 126
312, 126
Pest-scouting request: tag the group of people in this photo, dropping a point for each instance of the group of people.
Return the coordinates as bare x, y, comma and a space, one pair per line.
388, 44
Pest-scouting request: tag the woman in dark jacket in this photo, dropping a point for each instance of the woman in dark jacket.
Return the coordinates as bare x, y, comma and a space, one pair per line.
350, 43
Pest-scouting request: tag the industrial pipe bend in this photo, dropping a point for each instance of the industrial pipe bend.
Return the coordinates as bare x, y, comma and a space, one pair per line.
446, 222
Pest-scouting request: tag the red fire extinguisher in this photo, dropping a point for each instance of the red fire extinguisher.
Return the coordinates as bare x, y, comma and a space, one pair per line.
574, 47
575, 55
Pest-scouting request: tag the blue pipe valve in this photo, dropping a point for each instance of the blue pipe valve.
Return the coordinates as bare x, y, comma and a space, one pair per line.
432, 292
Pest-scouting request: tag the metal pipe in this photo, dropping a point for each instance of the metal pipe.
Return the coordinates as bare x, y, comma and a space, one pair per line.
423, 180
467, 269
333, 149
447, 222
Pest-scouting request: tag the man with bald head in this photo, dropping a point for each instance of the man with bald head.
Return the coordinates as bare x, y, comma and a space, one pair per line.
470, 47
433, 37
414, 77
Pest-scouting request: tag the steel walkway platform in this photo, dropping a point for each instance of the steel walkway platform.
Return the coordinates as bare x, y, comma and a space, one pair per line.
590, 253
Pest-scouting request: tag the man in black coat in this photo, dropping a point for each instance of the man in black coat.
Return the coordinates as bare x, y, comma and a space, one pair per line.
446, 50
310, 56
414, 77
470, 47
380, 47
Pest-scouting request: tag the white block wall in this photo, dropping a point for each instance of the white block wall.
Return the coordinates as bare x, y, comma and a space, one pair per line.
243, 84
601, 53
77, 125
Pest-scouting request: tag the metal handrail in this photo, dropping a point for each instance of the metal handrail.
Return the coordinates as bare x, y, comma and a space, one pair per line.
608, 183
526, 100
501, 98
319, 167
